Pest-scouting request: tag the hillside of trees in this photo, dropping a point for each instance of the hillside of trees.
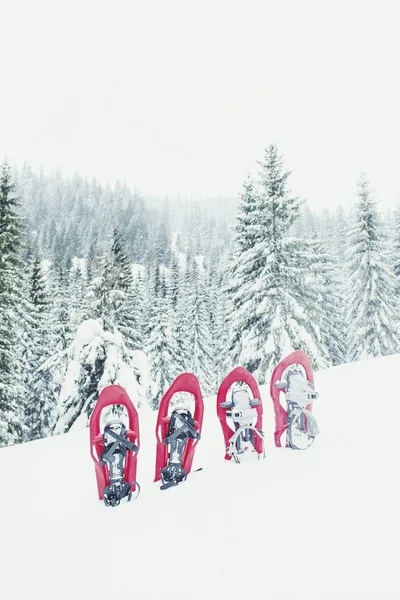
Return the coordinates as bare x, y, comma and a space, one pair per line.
101, 285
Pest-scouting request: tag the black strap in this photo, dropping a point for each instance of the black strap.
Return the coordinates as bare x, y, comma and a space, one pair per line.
192, 430
185, 426
119, 441
173, 482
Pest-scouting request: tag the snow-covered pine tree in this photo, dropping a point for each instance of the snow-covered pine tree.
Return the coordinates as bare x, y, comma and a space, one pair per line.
138, 229
396, 248
180, 321
339, 238
161, 342
117, 304
248, 231
39, 345
174, 281
372, 322
60, 320
217, 299
217, 303
330, 246
126, 303
200, 341
178, 293
138, 316
11, 414
93, 257
248, 234
271, 290
306, 224
327, 309
162, 242
98, 358
77, 291
322, 294
59, 325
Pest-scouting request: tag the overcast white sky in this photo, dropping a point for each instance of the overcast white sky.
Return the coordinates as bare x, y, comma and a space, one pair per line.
182, 96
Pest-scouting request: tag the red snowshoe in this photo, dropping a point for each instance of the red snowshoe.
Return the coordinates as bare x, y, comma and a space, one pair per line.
246, 415
114, 451
295, 378
178, 434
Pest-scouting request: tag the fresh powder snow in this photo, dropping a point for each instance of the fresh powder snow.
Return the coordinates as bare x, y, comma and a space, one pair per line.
300, 525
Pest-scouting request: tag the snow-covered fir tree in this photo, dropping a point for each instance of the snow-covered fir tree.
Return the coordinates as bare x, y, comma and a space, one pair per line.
60, 310
372, 321
180, 322
77, 293
200, 337
117, 305
327, 308
162, 241
396, 248
216, 303
160, 343
62, 328
39, 345
11, 413
98, 358
248, 234
174, 281
339, 237
248, 231
272, 293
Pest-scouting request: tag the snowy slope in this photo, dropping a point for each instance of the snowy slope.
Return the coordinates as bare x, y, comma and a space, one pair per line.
318, 524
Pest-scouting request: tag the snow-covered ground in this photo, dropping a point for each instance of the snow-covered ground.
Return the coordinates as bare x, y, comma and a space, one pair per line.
319, 524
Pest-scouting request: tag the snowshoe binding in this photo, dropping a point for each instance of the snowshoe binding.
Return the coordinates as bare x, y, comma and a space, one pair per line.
245, 413
178, 434
181, 428
242, 411
116, 445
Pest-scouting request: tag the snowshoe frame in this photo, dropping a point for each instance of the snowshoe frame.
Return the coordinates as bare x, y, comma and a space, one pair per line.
239, 374
281, 415
186, 382
113, 394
